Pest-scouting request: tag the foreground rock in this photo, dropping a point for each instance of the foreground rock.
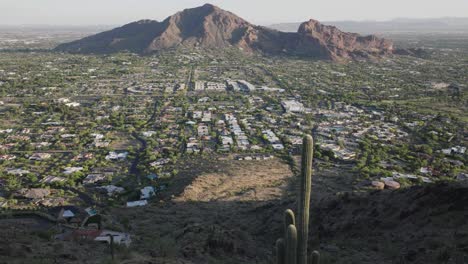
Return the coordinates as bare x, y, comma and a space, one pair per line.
378, 185
392, 185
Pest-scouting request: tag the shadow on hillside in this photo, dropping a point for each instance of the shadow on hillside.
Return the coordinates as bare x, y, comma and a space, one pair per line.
425, 224
416, 225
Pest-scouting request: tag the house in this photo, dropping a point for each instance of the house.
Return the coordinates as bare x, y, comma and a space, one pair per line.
160, 162
72, 104
116, 156
94, 178
40, 145
137, 203
91, 211
295, 140
203, 100
19, 172
397, 175
277, 146
117, 237
147, 192
40, 156
425, 170
214, 86
52, 179
35, 193
68, 214
227, 141
203, 130
148, 133
292, 106
199, 86
7, 157
206, 116
97, 235
197, 114
112, 189
63, 100
70, 170
64, 136
192, 146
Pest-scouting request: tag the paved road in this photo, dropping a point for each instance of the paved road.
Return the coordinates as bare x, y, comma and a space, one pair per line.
143, 144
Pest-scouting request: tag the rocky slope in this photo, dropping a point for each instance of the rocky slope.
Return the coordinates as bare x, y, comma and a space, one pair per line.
211, 27
422, 224
224, 211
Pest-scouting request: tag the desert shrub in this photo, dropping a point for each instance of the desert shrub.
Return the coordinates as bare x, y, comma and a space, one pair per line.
44, 234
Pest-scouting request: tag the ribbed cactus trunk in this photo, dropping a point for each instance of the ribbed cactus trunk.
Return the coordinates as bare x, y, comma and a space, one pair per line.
291, 245
304, 198
315, 258
280, 251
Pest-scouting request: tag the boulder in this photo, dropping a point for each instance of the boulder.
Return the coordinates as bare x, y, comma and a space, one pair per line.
378, 185
392, 185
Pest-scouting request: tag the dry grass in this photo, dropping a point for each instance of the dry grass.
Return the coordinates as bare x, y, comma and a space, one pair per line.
240, 181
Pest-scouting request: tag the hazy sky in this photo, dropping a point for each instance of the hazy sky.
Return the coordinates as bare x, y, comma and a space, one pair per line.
113, 12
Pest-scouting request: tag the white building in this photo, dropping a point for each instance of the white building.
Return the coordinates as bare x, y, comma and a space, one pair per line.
199, 86
293, 106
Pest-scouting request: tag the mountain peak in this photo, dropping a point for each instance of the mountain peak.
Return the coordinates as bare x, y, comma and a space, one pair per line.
210, 6
313, 26
203, 10
209, 26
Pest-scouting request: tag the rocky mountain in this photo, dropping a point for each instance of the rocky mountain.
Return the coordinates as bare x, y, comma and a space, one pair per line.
211, 27
401, 25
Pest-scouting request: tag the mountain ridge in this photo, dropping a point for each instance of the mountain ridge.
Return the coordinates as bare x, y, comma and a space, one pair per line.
425, 25
211, 27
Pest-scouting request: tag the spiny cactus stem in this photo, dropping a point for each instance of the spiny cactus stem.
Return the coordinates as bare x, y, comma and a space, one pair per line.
304, 198
280, 251
291, 245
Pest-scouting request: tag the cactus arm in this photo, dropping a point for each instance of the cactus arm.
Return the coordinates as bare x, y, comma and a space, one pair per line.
315, 257
291, 245
289, 219
280, 251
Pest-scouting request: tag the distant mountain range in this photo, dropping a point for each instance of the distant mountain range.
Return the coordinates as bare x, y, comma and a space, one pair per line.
210, 27
430, 25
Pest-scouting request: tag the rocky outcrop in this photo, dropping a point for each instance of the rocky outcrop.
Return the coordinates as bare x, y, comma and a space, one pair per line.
337, 45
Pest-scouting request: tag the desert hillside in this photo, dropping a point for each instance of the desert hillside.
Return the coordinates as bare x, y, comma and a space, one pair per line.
233, 210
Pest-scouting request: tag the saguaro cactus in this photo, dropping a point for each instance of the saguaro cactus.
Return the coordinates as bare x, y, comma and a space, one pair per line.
291, 245
315, 257
293, 248
304, 198
280, 251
